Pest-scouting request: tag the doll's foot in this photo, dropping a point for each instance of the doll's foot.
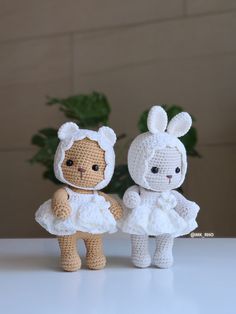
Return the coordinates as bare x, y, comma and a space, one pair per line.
71, 262
163, 260
141, 261
96, 262
163, 257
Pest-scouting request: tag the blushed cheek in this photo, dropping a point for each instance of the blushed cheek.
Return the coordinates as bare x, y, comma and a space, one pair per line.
177, 180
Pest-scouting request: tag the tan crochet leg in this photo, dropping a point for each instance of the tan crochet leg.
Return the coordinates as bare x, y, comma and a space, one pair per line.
95, 257
70, 260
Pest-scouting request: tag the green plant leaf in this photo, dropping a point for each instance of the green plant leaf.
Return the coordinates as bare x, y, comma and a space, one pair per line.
42, 156
190, 139
38, 140
49, 174
48, 132
47, 142
142, 123
88, 111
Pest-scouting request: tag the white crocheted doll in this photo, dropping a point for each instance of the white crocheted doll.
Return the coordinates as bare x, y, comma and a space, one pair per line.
157, 163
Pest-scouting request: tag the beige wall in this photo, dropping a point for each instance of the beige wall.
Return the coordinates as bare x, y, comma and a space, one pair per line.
137, 53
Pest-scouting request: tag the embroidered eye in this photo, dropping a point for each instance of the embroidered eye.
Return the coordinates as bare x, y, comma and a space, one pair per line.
154, 170
69, 162
95, 167
177, 170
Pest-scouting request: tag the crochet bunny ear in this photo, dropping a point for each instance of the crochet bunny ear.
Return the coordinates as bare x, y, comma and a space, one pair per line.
180, 124
157, 119
108, 134
67, 130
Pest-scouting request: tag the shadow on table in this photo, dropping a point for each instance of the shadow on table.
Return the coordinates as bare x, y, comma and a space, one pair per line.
29, 263
119, 261
52, 263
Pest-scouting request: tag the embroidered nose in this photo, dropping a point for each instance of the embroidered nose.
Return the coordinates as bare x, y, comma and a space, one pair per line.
81, 169
169, 176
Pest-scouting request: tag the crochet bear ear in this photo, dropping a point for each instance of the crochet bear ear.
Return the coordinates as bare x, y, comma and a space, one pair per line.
180, 124
108, 134
157, 119
67, 130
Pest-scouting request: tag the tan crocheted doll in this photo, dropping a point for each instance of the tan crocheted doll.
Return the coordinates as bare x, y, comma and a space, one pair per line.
84, 161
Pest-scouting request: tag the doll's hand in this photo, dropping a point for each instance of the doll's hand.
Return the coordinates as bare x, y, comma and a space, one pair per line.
131, 199
191, 212
116, 210
61, 210
188, 210
60, 204
115, 206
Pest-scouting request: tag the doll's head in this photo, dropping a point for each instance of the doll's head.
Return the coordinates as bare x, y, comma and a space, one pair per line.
85, 159
157, 159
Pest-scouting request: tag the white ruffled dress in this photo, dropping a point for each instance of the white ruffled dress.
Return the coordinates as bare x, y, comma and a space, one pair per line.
89, 213
156, 215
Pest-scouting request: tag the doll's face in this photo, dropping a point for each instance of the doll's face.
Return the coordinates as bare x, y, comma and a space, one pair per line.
164, 170
84, 164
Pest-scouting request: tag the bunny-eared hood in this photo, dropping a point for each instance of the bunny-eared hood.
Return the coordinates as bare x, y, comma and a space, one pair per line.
68, 133
160, 135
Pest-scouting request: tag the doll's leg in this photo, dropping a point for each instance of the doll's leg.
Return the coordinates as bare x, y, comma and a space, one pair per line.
140, 253
70, 260
95, 257
163, 257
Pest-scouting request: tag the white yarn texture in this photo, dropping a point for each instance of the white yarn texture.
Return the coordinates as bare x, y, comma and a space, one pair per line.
159, 213
152, 206
142, 150
141, 256
89, 213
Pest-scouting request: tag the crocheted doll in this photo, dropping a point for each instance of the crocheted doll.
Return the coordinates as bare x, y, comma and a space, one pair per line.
157, 163
84, 161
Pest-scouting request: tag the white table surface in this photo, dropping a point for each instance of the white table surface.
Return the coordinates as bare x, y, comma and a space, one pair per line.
202, 280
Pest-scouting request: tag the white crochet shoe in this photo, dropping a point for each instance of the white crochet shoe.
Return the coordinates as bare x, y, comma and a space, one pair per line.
163, 261
141, 261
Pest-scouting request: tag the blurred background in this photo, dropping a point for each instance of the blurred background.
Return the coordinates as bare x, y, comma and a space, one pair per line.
137, 53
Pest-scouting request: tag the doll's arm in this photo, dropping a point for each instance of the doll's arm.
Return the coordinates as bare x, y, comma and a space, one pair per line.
131, 197
185, 208
115, 208
60, 204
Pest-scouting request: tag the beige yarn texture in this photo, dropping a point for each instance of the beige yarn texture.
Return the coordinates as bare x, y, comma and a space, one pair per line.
115, 208
70, 133
84, 154
60, 205
70, 260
